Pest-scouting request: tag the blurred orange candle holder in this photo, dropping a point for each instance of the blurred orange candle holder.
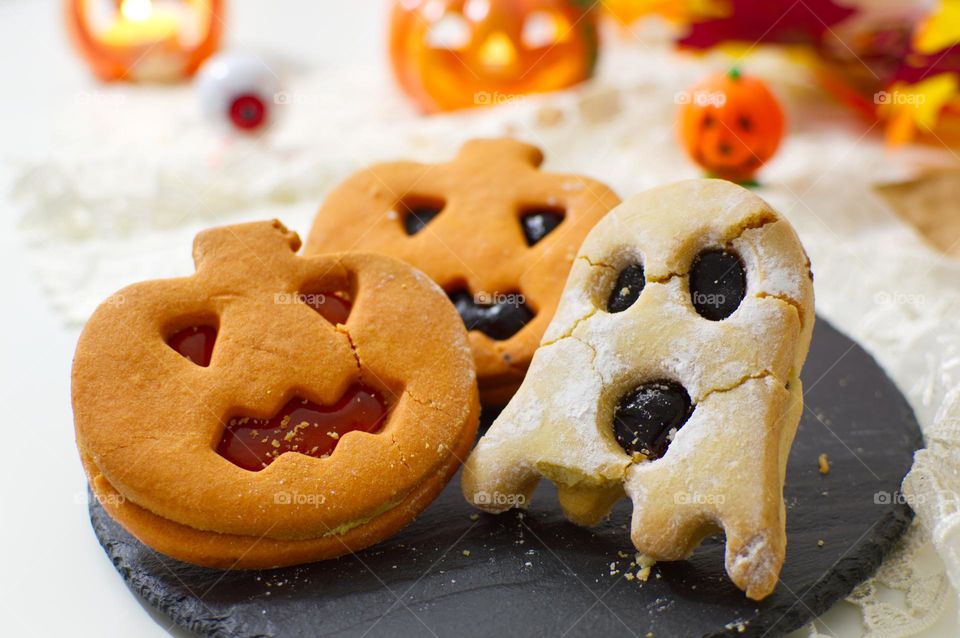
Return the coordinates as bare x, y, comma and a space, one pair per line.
145, 40
453, 54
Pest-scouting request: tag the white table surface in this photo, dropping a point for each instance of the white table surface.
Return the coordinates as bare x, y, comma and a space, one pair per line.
54, 578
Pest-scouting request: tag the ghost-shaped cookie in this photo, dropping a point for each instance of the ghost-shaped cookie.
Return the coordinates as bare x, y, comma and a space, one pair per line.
669, 374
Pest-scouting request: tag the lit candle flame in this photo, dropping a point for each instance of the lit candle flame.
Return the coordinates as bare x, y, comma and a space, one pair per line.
136, 10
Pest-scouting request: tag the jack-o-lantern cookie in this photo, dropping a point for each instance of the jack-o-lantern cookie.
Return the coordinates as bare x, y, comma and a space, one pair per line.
273, 409
670, 373
494, 231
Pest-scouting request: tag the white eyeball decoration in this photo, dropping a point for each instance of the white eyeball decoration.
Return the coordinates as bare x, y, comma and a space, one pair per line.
237, 90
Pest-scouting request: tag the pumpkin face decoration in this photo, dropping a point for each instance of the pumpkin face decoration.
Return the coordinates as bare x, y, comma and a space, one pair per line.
145, 40
451, 54
731, 125
272, 409
495, 232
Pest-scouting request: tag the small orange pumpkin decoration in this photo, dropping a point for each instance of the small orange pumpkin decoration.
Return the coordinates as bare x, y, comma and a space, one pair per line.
145, 40
731, 125
451, 54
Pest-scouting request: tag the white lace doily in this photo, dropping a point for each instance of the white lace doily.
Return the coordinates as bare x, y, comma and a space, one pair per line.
138, 173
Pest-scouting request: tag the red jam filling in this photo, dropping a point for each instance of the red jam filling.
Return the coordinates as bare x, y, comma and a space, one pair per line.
331, 307
301, 426
195, 343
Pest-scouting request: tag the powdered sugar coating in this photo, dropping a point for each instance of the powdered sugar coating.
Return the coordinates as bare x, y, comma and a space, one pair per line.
724, 467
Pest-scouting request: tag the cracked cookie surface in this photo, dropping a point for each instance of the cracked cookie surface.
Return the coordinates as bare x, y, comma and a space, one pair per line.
724, 467
148, 419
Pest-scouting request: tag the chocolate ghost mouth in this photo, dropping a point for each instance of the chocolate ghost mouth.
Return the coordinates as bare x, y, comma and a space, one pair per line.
301, 426
649, 416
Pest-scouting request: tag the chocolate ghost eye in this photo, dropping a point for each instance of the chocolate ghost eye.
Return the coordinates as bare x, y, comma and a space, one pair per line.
499, 320
416, 216
627, 289
648, 417
537, 224
718, 283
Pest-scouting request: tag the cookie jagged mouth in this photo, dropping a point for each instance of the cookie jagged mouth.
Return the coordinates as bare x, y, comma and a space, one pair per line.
301, 426
499, 316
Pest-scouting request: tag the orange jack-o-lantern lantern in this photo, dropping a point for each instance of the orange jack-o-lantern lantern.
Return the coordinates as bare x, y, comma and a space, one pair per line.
450, 54
731, 125
154, 40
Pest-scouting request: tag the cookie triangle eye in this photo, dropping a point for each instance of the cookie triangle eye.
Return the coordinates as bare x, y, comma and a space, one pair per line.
417, 215
332, 306
627, 289
195, 343
718, 283
537, 224
648, 417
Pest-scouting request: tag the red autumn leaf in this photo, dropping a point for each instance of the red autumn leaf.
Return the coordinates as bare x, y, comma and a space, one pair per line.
763, 21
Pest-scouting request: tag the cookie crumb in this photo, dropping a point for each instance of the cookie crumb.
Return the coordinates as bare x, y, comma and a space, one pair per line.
466, 552
820, 543
644, 562
474, 517
824, 463
333, 435
275, 443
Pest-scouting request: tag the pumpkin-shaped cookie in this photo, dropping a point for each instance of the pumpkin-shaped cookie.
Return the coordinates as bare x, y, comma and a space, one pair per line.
272, 409
495, 232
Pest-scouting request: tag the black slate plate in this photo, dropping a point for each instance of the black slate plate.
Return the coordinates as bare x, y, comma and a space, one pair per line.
535, 574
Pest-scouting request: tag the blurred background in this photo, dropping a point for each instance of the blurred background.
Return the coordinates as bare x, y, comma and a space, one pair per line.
127, 126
